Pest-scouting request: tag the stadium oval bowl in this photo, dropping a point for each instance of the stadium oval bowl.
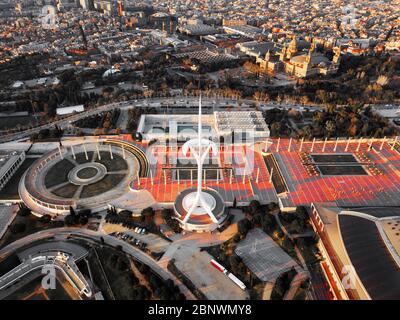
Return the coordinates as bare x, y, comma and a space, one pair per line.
89, 176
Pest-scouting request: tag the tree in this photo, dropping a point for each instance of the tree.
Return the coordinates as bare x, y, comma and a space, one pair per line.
257, 219
125, 214
302, 213
268, 223
297, 226
244, 226
122, 265
70, 220
18, 228
330, 128
45, 219
72, 211
276, 129
166, 214
236, 238
148, 212
234, 261
272, 206
83, 220
24, 211
287, 244
254, 206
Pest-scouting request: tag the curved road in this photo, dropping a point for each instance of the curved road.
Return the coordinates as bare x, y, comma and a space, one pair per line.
64, 233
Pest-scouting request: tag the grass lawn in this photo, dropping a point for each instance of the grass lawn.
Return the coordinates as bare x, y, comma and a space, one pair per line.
58, 173
67, 191
116, 164
109, 182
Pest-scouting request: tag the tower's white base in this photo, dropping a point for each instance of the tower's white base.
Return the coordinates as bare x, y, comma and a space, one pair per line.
190, 200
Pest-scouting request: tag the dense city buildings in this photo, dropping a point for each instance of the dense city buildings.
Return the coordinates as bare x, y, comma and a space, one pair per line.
199, 150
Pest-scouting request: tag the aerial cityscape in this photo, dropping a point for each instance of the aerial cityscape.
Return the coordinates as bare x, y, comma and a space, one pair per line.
199, 150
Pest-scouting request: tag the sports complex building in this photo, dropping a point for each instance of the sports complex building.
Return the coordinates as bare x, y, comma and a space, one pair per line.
351, 185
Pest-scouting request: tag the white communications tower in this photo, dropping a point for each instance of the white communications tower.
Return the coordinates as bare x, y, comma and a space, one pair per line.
199, 202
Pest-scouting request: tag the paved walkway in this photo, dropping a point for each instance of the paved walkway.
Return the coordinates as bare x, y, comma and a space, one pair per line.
269, 286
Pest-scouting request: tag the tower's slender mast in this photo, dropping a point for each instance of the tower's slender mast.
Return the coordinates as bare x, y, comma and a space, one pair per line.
200, 149
199, 162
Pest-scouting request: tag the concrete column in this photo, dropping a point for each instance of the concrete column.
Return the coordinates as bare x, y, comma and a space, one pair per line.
266, 146
336, 143
111, 154
383, 143
290, 144
348, 143
86, 155
73, 152
323, 147
98, 151
370, 144
359, 144
394, 143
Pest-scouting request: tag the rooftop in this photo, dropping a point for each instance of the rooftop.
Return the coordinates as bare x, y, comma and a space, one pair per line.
7, 159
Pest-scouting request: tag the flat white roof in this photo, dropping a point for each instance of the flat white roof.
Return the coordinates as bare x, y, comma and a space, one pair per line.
226, 122
71, 109
7, 159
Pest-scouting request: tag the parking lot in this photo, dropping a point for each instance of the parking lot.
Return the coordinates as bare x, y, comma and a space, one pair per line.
151, 241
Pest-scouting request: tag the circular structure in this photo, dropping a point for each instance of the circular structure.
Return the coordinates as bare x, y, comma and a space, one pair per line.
190, 199
89, 175
199, 220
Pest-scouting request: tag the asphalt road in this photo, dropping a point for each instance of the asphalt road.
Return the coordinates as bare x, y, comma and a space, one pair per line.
63, 233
